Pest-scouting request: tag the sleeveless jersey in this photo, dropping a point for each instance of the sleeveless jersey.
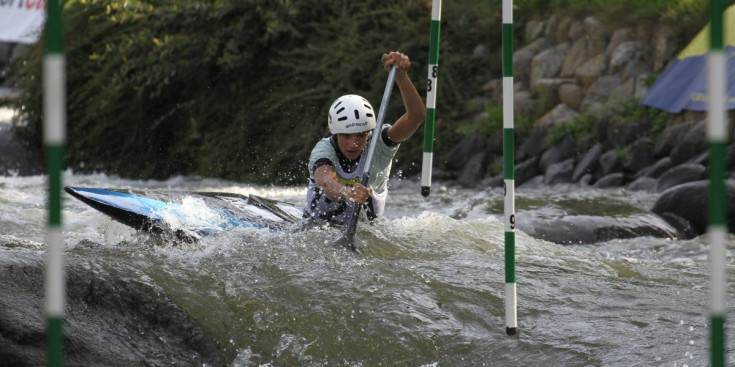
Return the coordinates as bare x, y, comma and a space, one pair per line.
326, 151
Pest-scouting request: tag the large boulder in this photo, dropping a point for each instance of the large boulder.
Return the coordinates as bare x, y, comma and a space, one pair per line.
587, 229
671, 136
547, 64
473, 172
526, 170
462, 152
686, 206
591, 70
559, 173
588, 163
580, 52
115, 316
571, 95
692, 144
680, 174
640, 155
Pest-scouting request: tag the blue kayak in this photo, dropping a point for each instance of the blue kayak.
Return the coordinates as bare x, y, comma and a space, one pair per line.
188, 215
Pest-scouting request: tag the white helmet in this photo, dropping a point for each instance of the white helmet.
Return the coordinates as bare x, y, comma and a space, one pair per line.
351, 114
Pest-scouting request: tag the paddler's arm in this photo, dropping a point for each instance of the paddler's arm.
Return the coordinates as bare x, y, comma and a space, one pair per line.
326, 178
415, 114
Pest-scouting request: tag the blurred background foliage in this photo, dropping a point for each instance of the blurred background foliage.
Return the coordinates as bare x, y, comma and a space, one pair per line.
239, 89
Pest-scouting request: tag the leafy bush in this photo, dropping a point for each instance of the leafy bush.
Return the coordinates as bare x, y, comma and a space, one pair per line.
238, 89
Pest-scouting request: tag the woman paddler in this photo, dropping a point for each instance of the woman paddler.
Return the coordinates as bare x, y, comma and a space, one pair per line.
333, 176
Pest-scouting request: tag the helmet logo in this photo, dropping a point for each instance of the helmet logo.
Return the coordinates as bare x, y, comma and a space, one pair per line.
342, 122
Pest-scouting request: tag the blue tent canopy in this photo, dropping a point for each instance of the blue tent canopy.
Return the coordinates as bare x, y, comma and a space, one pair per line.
683, 85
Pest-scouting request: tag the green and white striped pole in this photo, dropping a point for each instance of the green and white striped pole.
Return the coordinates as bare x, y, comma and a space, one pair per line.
54, 136
511, 322
436, 10
717, 136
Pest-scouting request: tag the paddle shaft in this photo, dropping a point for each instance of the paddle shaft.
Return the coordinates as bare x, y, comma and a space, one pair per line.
367, 158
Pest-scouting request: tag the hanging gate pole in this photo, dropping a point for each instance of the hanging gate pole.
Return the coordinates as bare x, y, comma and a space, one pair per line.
426, 167
717, 136
511, 322
54, 131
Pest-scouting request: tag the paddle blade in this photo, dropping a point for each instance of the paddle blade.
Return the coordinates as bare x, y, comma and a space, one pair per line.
348, 240
345, 242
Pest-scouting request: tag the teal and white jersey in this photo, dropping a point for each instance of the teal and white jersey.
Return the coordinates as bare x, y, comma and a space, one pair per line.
326, 151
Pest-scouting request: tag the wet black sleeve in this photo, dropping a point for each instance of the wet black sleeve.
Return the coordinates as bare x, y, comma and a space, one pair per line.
384, 135
321, 162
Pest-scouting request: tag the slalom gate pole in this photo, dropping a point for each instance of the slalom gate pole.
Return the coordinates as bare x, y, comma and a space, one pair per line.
426, 167
511, 322
717, 136
54, 136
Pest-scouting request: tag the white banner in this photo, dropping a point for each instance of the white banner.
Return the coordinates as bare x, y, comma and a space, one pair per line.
21, 21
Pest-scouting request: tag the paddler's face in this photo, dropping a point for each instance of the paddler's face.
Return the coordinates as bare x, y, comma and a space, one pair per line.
352, 145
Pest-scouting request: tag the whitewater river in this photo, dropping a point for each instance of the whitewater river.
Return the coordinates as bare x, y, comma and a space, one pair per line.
427, 289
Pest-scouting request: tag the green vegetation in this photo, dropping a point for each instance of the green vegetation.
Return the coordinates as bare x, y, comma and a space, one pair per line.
239, 89
633, 112
581, 126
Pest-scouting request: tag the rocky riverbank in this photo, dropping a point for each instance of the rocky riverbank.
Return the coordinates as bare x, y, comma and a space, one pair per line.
588, 70
115, 316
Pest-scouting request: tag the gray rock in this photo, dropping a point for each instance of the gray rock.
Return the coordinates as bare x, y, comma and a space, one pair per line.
588, 163
624, 54
546, 64
576, 30
560, 114
685, 206
591, 70
535, 143
692, 144
474, 170
533, 183
534, 29
571, 95
619, 36
643, 184
595, 30
548, 89
461, 153
526, 170
616, 179
523, 102
601, 90
610, 162
586, 180
671, 135
559, 172
665, 46
580, 52
680, 174
587, 229
115, 316
626, 132
557, 153
640, 155
658, 168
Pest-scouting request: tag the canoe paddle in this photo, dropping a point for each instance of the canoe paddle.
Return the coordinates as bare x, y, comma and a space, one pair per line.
364, 166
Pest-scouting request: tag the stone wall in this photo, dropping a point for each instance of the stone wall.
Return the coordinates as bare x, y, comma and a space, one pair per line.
574, 66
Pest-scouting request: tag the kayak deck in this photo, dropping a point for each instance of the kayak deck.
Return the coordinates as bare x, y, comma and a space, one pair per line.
187, 213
